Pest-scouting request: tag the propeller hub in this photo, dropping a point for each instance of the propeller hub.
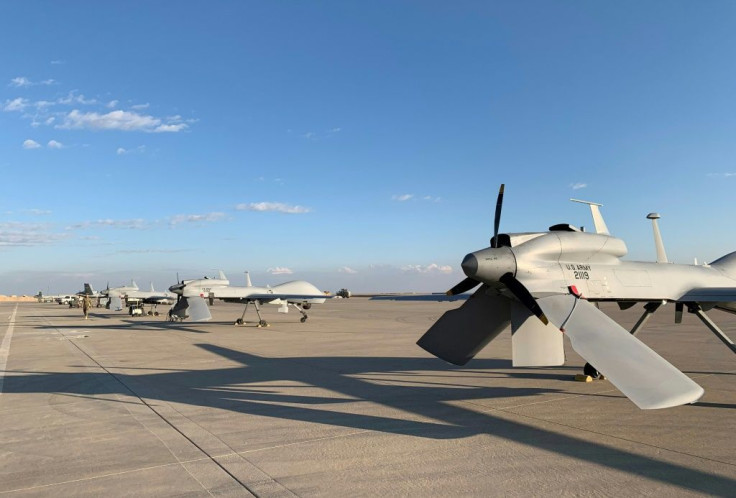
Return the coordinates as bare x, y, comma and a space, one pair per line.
489, 265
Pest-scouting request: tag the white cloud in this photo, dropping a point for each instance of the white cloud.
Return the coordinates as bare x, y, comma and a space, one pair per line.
431, 268
280, 270
140, 106
578, 186
117, 120
38, 212
20, 81
721, 175
272, 206
134, 224
138, 150
31, 144
112, 104
334, 130
310, 135
73, 98
53, 144
27, 234
195, 218
402, 197
57, 62
18, 104
347, 269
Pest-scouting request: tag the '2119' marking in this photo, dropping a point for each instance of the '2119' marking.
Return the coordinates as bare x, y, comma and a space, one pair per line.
580, 272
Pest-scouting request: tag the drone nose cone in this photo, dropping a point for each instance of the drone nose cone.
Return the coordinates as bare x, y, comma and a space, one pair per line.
177, 289
470, 265
488, 265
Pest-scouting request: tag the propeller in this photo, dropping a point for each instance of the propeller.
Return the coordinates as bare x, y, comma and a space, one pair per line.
471, 283
523, 295
464, 286
497, 217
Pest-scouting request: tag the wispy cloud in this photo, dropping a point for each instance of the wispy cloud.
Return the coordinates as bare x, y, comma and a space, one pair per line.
402, 197
280, 270
38, 212
347, 269
112, 104
53, 144
721, 175
15, 105
134, 224
139, 107
31, 144
195, 218
138, 150
578, 186
22, 81
57, 62
151, 251
27, 234
119, 120
313, 135
431, 268
272, 206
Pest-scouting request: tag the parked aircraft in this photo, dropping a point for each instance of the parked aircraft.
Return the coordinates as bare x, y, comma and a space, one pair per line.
116, 294
547, 282
192, 293
137, 298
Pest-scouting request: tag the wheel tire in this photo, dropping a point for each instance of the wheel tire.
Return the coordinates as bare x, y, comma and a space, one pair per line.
155, 313
263, 323
589, 369
304, 319
239, 321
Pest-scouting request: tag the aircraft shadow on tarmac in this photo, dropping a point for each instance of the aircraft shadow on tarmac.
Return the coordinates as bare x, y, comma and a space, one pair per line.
418, 407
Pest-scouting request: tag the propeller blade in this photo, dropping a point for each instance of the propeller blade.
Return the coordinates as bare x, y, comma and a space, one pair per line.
497, 217
461, 333
463, 286
523, 295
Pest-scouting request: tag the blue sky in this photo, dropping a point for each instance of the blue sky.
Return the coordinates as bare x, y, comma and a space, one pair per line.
353, 144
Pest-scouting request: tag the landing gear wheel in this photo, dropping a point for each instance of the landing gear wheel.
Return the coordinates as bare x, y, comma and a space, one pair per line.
304, 319
239, 321
150, 313
155, 313
590, 370
263, 323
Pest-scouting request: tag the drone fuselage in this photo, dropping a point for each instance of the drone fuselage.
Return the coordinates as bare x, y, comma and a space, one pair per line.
553, 262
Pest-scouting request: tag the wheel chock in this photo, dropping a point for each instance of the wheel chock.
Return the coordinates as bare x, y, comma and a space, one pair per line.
583, 378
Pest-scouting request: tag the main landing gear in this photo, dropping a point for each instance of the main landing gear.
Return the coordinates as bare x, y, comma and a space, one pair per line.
264, 323
261, 321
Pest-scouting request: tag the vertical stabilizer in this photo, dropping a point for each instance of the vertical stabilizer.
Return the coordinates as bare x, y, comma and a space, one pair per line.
222, 275
247, 280
661, 255
152, 287
600, 225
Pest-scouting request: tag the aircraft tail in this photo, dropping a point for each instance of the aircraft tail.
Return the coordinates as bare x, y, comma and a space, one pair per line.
88, 290
727, 264
221, 275
247, 280
600, 225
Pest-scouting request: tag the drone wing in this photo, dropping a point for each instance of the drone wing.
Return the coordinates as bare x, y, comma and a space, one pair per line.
642, 375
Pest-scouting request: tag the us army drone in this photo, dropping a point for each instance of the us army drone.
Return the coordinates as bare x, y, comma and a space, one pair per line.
546, 283
138, 298
192, 293
115, 295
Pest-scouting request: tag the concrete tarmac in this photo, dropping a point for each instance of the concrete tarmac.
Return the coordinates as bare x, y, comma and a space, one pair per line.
343, 405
